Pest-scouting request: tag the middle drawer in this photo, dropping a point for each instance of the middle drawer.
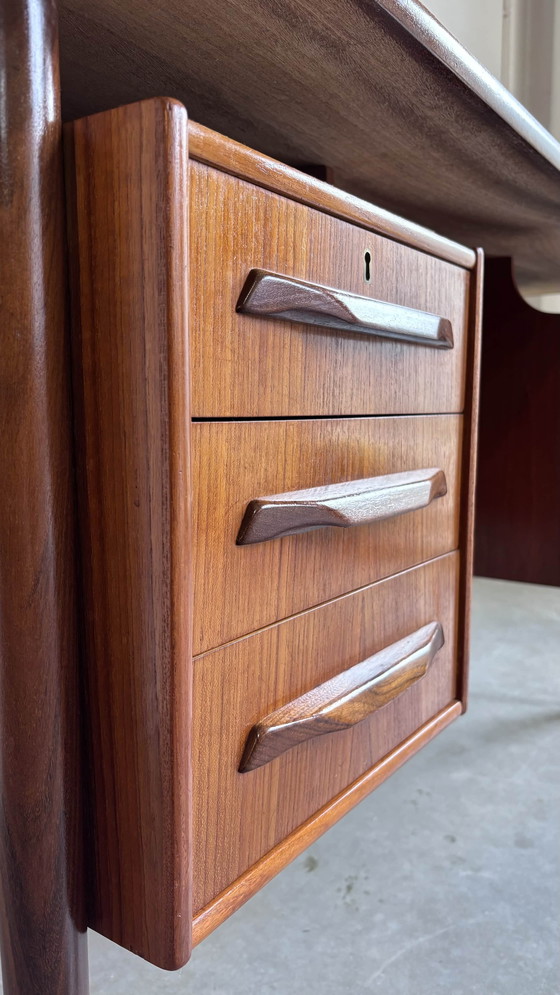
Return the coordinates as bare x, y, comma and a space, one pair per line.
240, 588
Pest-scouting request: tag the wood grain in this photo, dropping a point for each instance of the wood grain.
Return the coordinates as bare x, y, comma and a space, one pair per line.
128, 197
248, 366
231, 899
278, 664
233, 461
213, 149
276, 296
42, 927
518, 497
377, 91
344, 700
345, 505
127, 174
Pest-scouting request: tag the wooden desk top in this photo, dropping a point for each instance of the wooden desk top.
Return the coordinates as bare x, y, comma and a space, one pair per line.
376, 90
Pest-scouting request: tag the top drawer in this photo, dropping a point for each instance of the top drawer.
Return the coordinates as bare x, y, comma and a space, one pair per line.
255, 365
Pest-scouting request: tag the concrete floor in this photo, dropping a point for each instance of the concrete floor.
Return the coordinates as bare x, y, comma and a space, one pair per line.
445, 881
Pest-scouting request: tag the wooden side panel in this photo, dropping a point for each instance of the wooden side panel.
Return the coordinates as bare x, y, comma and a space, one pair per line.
518, 499
42, 927
240, 588
469, 471
128, 179
238, 818
259, 367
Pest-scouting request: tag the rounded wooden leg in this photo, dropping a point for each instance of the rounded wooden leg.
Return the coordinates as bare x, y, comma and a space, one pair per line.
42, 936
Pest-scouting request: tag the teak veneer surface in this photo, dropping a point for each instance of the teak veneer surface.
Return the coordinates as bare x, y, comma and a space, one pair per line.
240, 588
127, 176
238, 818
214, 149
249, 366
379, 92
231, 899
129, 201
42, 890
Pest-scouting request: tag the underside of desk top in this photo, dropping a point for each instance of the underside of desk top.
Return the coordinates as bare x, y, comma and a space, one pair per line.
377, 91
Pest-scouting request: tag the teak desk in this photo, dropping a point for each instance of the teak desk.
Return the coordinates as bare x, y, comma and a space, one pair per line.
239, 408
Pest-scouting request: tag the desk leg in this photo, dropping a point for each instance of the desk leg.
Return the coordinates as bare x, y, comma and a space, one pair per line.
43, 945
518, 498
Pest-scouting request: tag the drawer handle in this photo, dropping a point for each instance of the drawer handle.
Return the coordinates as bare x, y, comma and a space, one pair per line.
278, 296
354, 502
346, 699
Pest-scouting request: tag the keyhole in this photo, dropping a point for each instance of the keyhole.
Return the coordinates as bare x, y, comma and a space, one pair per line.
367, 261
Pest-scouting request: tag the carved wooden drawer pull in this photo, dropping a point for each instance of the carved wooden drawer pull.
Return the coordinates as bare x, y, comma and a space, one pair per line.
278, 296
346, 699
354, 502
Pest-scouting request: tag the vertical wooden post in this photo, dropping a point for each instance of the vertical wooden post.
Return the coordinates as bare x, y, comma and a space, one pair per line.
42, 934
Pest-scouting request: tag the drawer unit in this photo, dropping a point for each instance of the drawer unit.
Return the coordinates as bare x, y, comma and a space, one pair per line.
418, 461
258, 365
316, 497
240, 817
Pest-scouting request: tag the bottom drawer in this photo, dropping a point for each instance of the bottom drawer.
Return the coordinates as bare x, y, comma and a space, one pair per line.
240, 817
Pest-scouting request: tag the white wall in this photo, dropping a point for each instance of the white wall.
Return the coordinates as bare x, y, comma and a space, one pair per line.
477, 24
555, 109
529, 68
519, 42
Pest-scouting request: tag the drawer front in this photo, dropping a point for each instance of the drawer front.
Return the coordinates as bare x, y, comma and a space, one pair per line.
239, 588
256, 365
239, 817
